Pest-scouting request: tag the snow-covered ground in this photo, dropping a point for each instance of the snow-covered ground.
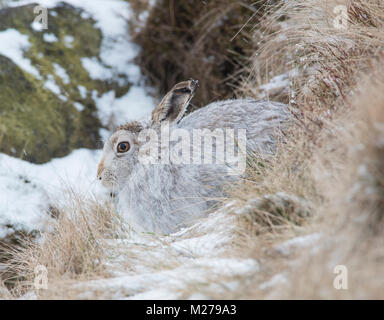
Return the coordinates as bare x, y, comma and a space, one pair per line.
26, 189
190, 264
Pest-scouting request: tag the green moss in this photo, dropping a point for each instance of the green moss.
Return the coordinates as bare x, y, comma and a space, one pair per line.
36, 124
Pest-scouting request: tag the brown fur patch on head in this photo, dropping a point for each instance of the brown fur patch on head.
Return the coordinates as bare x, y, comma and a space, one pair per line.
134, 127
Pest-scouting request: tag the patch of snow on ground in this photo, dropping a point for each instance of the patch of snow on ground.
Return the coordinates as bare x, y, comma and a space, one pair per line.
286, 247
278, 279
181, 265
196, 273
204, 246
26, 188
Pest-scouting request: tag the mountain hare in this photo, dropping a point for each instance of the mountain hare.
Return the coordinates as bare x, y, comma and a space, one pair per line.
169, 170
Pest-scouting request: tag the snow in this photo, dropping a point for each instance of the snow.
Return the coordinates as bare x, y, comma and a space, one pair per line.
111, 17
310, 240
83, 91
171, 283
95, 69
37, 26
116, 59
51, 85
79, 107
16, 44
26, 189
278, 279
60, 71
203, 246
192, 263
117, 52
280, 81
68, 40
134, 105
156, 294
50, 37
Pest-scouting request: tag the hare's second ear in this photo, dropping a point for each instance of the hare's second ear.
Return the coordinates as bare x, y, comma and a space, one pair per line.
175, 102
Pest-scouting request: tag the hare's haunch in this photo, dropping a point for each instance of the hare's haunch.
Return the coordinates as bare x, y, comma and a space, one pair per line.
168, 171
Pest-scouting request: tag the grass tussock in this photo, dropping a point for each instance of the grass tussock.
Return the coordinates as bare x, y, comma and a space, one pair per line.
352, 217
71, 249
275, 196
333, 158
348, 172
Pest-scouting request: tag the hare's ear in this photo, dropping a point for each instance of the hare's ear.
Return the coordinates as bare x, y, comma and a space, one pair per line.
175, 102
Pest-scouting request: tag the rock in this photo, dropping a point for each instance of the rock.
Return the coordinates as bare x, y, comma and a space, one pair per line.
50, 112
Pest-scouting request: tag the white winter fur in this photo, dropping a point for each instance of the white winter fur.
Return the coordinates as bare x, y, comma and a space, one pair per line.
162, 198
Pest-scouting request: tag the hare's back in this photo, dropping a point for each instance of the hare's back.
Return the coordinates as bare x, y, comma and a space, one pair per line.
261, 119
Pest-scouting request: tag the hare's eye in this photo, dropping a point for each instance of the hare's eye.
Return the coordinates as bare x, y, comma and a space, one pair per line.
123, 147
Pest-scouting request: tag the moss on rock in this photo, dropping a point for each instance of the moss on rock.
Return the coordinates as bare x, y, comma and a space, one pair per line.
36, 123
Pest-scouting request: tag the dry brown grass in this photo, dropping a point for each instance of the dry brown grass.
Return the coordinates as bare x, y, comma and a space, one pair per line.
300, 35
352, 215
71, 249
349, 174
277, 193
333, 160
